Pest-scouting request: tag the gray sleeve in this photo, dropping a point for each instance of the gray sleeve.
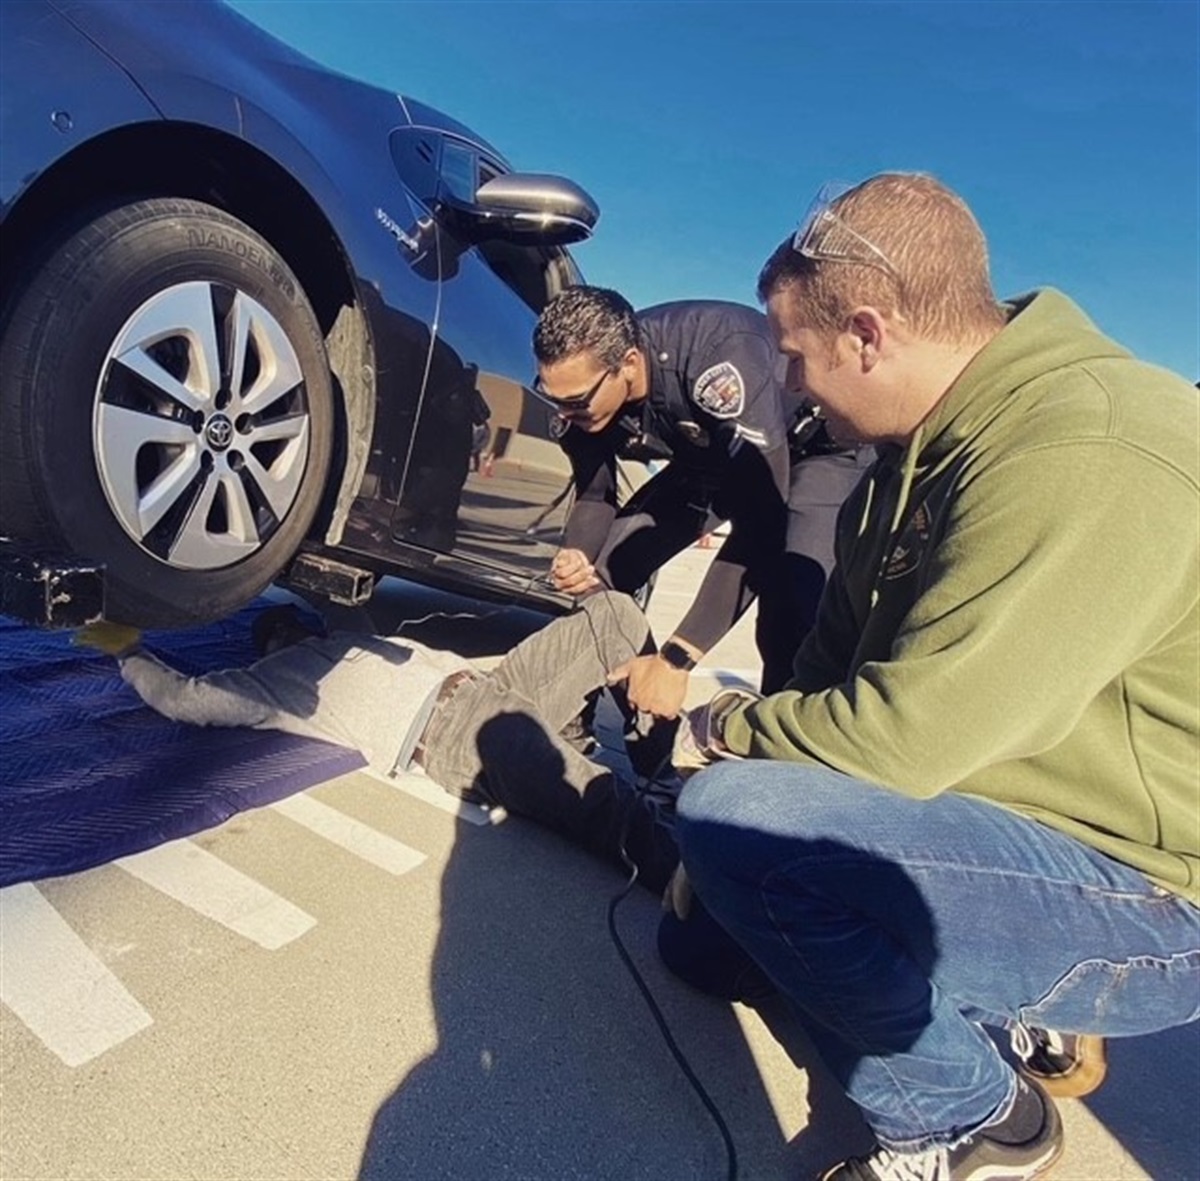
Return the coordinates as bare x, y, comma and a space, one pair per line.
224, 698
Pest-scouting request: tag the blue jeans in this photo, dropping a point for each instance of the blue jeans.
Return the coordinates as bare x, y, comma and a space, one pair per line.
898, 927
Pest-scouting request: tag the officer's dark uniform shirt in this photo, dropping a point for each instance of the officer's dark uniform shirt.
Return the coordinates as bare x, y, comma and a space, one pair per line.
718, 410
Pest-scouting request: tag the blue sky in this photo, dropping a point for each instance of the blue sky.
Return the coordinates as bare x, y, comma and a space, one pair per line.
702, 129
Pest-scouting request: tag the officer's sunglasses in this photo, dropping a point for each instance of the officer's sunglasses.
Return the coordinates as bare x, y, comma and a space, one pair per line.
576, 403
824, 237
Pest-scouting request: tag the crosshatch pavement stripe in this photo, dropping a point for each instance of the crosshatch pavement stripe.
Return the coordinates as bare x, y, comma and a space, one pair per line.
352, 835
60, 990
428, 792
195, 878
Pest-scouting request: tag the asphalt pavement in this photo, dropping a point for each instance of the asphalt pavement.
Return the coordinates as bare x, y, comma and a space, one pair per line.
368, 980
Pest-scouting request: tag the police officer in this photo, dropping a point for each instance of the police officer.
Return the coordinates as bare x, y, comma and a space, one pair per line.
698, 383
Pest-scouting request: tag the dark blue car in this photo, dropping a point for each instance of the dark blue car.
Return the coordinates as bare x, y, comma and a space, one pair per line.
263, 321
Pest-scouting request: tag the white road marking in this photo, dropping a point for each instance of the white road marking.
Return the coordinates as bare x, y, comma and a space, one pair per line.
428, 792
191, 875
60, 989
360, 839
725, 678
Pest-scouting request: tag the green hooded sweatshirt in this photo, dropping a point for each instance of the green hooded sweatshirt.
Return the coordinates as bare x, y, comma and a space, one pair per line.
1015, 612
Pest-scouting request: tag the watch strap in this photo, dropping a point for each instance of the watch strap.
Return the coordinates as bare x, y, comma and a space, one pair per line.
677, 656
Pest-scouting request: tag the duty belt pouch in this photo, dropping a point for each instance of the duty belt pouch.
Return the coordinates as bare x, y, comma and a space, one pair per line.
809, 436
701, 487
643, 448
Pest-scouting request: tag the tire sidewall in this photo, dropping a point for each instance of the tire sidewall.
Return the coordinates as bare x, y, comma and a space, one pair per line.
159, 245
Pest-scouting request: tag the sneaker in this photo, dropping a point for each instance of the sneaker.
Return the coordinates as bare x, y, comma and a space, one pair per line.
1065, 1065
992, 1152
579, 734
698, 951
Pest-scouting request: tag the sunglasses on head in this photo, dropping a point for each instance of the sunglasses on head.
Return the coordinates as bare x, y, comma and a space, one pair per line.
824, 237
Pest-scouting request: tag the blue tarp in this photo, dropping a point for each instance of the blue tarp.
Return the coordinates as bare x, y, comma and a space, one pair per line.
88, 773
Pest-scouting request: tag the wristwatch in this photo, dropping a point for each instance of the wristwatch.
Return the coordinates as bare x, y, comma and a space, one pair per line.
677, 656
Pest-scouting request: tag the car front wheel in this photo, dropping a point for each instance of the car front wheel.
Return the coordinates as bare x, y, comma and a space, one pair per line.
166, 409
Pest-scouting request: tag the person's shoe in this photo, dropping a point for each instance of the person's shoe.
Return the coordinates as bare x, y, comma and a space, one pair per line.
700, 953
1022, 1146
580, 731
1065, 1065
579, 734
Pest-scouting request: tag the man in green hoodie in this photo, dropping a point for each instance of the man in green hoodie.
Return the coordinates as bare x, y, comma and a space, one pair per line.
983, 796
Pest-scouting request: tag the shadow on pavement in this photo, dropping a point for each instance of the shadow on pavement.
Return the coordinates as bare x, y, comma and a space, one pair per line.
549, 1065
1150, 1101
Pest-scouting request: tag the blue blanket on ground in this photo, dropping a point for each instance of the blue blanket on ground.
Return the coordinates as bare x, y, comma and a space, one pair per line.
88, 773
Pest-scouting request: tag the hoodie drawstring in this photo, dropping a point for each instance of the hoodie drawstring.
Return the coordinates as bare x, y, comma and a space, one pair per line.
906, 483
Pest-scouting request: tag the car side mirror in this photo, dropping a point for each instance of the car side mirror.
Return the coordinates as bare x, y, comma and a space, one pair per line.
530, 208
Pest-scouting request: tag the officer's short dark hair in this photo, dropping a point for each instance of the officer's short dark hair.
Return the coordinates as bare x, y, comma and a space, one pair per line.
586, 319
784, 268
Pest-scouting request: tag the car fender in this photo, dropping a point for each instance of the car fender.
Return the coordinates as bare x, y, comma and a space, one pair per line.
56, 111
295, 112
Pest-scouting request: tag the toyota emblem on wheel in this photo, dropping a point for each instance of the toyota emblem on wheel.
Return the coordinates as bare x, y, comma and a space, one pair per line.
209, 366
219, 432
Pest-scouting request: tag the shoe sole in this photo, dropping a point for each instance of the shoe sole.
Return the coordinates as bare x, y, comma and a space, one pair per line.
1044, 1167
1057, 1146
1051, 1162
1087, 1075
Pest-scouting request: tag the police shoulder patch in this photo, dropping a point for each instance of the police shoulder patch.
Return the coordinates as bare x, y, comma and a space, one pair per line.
720, 390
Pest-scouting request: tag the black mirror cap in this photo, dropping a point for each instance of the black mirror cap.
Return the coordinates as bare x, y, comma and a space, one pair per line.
548, 209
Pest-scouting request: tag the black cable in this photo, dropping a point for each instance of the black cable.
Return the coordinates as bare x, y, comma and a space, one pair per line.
627, 960
643, 987
661, 1021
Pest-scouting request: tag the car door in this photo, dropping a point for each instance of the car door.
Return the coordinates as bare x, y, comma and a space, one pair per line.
484, 479
403, 345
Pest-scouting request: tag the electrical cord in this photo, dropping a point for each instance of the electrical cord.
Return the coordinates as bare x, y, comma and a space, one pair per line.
655, 1011
507, 609
660, 1019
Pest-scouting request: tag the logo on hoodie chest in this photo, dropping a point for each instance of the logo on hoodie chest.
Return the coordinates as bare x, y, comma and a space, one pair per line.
911, 545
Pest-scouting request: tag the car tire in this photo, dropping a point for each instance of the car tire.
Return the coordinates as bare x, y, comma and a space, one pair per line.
166, 408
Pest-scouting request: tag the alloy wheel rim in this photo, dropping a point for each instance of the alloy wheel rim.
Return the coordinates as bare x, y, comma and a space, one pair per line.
201, 427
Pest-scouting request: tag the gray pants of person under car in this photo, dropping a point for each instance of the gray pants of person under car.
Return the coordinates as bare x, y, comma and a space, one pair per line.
496, 738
